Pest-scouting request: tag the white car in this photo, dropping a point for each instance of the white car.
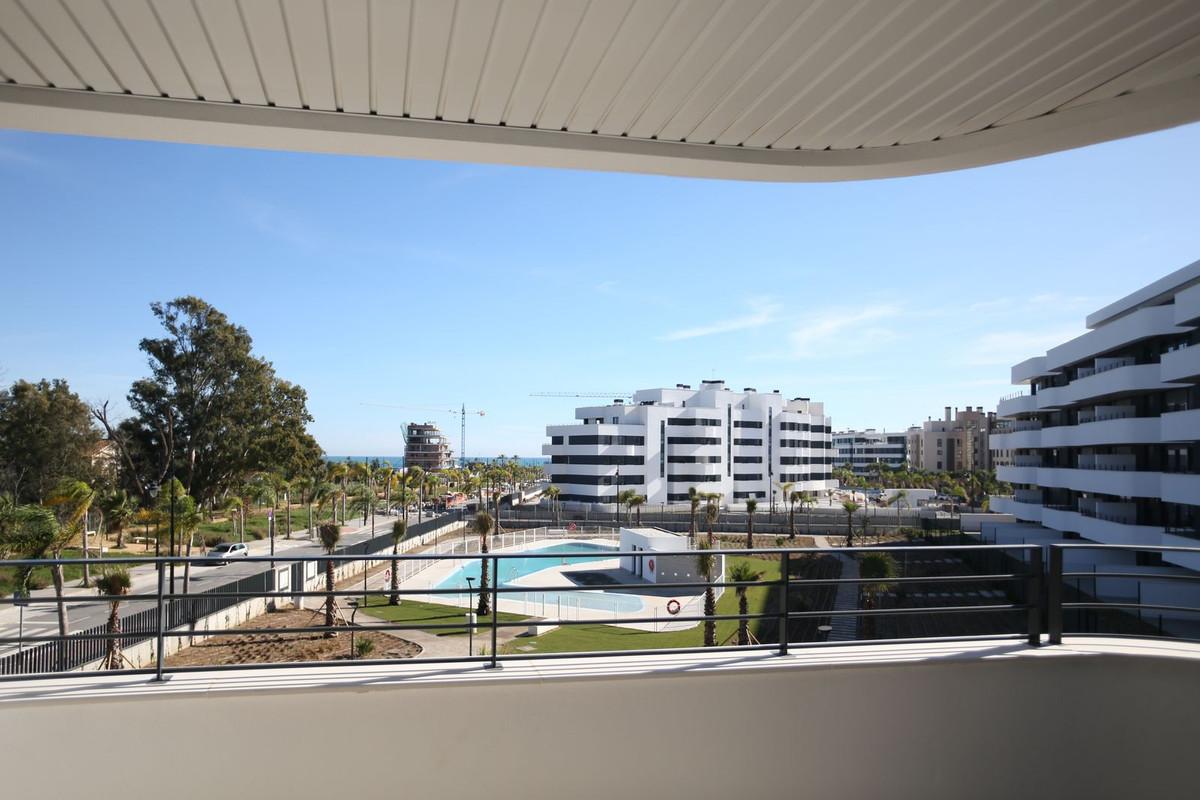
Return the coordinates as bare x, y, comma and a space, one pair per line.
227, 550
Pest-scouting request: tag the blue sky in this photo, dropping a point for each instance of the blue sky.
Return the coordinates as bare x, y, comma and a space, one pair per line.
432, 284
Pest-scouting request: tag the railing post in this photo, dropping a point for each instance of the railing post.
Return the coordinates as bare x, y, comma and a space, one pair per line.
1033, 597
161, 626
784, 564
493, 664
1054, 609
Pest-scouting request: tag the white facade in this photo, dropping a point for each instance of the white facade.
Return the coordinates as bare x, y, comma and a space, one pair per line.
1106, 443
738, 444
859, 450
660, 564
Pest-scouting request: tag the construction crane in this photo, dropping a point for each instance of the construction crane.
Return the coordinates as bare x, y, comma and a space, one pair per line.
462, 413
611, 395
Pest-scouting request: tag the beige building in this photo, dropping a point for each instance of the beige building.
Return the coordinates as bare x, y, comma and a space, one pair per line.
955, 442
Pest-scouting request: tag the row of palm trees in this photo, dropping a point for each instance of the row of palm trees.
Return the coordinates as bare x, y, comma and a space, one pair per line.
969, 486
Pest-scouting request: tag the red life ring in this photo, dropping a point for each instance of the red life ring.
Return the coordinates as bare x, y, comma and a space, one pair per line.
672, 607
650, 564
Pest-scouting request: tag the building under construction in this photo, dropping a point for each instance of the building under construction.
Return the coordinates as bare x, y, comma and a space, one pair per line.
426, 447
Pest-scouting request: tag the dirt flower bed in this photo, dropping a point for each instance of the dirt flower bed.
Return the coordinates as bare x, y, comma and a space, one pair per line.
289, 647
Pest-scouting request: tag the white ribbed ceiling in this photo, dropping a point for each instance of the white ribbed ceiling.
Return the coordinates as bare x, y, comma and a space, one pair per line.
766, 75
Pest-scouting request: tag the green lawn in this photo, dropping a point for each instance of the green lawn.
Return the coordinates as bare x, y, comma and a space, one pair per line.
418, 612
584, 638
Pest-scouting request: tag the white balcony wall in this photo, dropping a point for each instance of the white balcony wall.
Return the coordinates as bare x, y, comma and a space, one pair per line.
982, 720
1182, 365
1017, 474
1023, 404
1181, 426
1130, 430
1100, 530
1029, 369
1187, 306
1141, 324
1181, 488
1134, 378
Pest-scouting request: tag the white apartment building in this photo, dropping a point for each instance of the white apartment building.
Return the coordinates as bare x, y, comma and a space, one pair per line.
1105, 445
859, 450
739, 444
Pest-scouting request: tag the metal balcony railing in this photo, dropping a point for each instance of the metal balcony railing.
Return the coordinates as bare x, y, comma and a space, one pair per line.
1040, 594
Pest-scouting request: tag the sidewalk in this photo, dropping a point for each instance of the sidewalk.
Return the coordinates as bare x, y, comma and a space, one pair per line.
144, 580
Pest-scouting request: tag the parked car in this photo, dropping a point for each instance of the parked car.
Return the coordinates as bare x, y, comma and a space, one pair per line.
222, 553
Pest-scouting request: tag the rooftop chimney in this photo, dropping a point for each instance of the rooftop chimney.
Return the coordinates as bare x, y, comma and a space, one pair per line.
947, 413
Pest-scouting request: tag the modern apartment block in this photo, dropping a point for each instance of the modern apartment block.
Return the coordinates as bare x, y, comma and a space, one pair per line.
1106, 442
955, 442
860, 450
426, 447
740, 444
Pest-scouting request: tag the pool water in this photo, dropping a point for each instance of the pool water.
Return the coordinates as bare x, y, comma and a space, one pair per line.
544, 558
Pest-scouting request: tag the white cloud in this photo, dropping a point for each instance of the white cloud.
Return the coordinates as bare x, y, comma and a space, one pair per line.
846, 329
764, 314
1008, 348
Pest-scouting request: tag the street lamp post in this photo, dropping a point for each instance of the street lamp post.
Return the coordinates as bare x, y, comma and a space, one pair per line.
152, 490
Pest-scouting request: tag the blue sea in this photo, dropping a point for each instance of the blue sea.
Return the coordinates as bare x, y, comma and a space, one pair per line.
398, 461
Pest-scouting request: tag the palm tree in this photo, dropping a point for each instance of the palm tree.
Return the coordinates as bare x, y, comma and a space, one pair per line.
636, 503
304, 485
72, 498
483, 526
751, 507
788, 494
326, 494
552, 493
742, 572
232, 506
849, 506
807, 500
330, 534
118, 508
694, 501
704, 562
112, 584
415, 477
625, 498
399, 530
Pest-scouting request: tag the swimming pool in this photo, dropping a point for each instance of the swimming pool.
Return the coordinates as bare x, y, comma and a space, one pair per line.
543, 558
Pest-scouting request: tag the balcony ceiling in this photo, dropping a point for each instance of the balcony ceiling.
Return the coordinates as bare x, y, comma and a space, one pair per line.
748, 89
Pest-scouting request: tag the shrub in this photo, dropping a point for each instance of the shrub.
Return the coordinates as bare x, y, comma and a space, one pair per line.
212, 541
363, 648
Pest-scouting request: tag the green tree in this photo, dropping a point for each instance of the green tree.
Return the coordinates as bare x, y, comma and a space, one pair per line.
27, 532
552, 494
118, 509
636, 502
742, 572
223, 410
71, 500
625, 498
807, 500
330, 534
112, 584
704, 563
46, 436
849, 506
789, 498
694, 500
399, 531
483, 526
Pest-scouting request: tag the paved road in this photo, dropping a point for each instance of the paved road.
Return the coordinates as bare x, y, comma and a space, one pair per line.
42, 618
